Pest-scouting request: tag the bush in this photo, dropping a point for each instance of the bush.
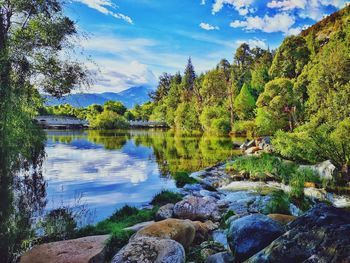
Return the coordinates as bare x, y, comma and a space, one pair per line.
182, 178
259, 166
243, 127
298, 180
279, 203
166, 197
58, 224
109, 120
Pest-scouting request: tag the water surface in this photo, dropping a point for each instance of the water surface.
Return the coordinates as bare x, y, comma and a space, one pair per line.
108, 169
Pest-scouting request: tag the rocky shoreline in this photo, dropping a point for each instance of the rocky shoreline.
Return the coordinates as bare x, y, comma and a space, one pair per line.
222, 220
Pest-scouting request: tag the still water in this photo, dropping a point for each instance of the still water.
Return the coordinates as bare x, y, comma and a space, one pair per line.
108, 169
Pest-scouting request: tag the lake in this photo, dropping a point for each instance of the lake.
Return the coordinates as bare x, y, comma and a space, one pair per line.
105, 170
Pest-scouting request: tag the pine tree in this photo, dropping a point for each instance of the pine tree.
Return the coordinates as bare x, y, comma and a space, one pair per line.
189, 76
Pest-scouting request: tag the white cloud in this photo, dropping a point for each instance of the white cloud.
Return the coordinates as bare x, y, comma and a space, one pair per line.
207, 26
203, 2
241, 6
104, 6
313, 9
255, 42
282, 22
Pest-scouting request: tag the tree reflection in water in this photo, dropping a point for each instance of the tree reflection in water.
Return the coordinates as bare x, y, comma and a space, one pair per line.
22, 186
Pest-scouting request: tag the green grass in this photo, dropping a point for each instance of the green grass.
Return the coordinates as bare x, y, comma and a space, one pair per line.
279, 203
182, 178
166, 197
258, 166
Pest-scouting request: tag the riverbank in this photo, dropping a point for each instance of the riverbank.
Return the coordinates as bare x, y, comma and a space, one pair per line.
219, 216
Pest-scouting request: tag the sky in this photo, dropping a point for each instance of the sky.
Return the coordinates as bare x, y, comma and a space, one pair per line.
132, 42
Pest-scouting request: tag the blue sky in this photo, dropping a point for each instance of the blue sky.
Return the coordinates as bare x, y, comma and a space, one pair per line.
131, 42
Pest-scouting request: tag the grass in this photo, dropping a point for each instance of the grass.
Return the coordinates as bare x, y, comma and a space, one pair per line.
279, 203
182, 178
166, 197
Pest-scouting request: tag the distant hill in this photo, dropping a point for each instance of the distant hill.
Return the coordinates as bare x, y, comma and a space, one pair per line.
129, 97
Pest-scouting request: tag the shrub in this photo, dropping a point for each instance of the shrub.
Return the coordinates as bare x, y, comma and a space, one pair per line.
58, 224
279, 203
166, 197
182, 178
109, 120
298, 180
243, 127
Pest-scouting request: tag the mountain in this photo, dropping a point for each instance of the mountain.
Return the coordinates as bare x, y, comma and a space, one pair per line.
129, 97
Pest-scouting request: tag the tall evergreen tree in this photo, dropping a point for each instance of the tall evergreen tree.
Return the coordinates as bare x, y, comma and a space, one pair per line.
189, 76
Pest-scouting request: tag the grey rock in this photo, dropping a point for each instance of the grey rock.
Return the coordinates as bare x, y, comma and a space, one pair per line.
197, 208
320, 235
150, 250
325, 169
220, 236
222, 257
250, 234
165, 212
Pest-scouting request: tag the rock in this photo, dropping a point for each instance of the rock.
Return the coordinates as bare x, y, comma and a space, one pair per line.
220, 236
252, 150
213, 178
250, 234
263, 142
283, 219
209, 193
81, 250
139, 226
259, 204
150, 250
222, 257
165, 212
294, 210
182, 231
203, 230
196, 208
248, 144
325, 169
209, 248
320, 235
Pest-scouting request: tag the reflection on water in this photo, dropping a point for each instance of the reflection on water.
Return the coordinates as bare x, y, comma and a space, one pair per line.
112, 168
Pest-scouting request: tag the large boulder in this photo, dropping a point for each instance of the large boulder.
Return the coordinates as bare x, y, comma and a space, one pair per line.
281, 218
165, 212
321, 235
250, 234
182, 231
198, 208
150, 250
222, 257
82, 250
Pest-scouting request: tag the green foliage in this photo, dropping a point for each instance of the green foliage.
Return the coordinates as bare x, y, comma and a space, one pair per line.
108, 120
114, 106
182, 178
186, 118
166, 197
215, 120
313, 144
290, 59
244, 127
265, 164
245, 103
298, 180
279, 203
59, 224
260, 76
277, 106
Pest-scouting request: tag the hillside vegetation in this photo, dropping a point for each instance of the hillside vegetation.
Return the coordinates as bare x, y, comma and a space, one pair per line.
298, 93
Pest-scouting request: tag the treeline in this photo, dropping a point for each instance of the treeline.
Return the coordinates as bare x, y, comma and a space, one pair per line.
111, 115
300, 94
